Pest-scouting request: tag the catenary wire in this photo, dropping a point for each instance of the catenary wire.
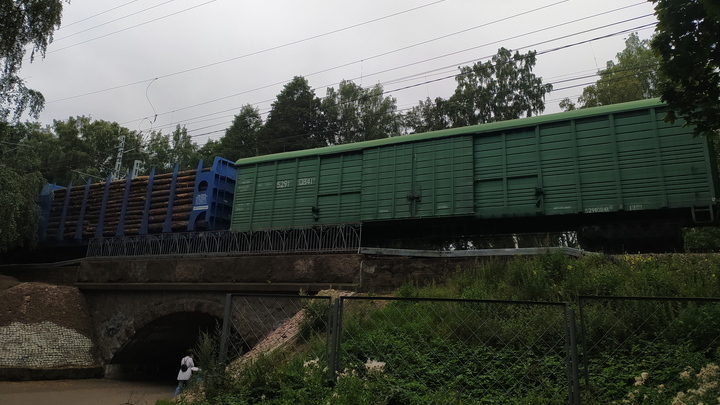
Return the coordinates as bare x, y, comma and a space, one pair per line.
246, 55
222, 130
454, 66
453, 76
134, 26
64, 26
110, 22
449, 76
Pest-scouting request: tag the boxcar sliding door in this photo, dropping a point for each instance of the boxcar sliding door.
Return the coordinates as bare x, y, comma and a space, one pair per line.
430, 178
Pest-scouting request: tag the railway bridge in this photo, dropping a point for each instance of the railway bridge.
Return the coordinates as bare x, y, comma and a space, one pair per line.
142, 313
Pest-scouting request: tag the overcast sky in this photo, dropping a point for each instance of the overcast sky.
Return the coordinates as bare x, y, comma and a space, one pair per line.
153, 64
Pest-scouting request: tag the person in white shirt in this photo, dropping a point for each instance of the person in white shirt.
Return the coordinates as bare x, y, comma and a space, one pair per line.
187, 366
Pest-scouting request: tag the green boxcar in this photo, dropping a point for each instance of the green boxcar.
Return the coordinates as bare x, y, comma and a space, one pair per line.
610, 159
573, 169
299, 190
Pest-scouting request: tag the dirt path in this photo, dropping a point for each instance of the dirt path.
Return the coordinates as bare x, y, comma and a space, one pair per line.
83, 392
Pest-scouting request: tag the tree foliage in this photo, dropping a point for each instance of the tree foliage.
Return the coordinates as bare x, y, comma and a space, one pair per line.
242, 139
501, 89
79, 148
633, 77
164, 151
498, 90
294, 123
158, 149
353, 113
183, 151
209, 150
21, 183
89, 148
25, 23
428, 115
688, 42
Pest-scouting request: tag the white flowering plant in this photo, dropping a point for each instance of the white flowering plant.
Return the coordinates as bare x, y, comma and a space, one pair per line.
699, 387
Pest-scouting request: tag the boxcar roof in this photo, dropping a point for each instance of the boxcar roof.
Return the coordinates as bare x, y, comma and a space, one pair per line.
473, 129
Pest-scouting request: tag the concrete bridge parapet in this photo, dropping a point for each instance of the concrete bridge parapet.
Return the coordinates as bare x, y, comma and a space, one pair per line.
248, 273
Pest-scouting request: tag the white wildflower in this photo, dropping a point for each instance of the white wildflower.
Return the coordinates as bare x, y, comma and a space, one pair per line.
311, 363
373, 366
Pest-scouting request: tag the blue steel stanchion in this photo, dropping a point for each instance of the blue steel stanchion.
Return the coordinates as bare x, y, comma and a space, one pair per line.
148, 201
83, 209
196, 192
61, 229
120, 231
101, 220
167, 226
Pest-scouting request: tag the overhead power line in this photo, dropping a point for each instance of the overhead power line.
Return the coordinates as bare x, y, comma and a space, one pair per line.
366, 75
394, 51
64, 26
287, 45
237, 57
453, 66
109, 22
454, 75
134, 26
65, 162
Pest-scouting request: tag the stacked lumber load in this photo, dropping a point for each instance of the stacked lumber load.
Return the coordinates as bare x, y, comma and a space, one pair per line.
134, 211
142, 205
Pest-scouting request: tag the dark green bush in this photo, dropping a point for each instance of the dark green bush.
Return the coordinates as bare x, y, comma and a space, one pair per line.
473, 352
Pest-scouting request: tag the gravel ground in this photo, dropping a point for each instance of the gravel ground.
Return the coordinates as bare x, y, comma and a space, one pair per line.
83, 392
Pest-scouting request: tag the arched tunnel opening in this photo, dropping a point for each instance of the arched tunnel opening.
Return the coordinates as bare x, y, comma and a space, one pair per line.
155, 351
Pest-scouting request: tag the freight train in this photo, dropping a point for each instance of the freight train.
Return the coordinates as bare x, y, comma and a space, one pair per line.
618, 175
178, 202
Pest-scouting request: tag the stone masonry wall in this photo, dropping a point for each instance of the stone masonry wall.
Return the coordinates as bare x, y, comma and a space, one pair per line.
118, 315
45, 327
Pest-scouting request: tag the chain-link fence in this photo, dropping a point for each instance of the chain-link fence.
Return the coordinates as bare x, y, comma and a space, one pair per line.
477, 351
500, 351
460, 349
260, 324
645, 347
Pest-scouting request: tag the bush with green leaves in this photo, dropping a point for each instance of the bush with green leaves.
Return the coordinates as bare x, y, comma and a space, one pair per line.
434, 352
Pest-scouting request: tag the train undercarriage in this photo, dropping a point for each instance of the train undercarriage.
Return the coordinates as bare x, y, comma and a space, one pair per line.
659, 231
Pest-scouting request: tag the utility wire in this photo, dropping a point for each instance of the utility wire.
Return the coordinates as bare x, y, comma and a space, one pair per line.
134, 26
112, 21
56, 164
245, 55
64, 26
453, 76
454, 66
420, 84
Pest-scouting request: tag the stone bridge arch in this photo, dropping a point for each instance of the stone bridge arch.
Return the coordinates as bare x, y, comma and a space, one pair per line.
144, 334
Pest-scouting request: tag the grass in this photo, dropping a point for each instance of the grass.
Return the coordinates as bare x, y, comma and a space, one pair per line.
303, 379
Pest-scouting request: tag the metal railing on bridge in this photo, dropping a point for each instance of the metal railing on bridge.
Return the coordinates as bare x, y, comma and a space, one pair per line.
331, 239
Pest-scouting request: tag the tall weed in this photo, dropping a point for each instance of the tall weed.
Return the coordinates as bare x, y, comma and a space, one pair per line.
455, 353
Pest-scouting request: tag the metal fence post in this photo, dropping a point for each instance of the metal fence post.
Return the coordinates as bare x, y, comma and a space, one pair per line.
574, 359
583, 341
335, 329
225, 337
